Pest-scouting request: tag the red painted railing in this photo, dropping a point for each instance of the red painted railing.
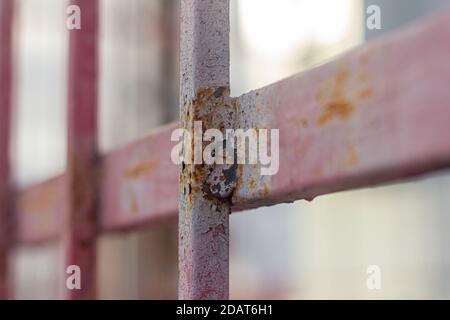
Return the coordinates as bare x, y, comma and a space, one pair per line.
377, 114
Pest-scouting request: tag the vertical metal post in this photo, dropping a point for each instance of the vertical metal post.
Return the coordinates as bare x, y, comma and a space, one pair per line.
80, 227
203, 210
6, 21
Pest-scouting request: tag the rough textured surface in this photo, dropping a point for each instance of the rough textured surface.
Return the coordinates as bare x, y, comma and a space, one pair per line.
203, 215
6, 12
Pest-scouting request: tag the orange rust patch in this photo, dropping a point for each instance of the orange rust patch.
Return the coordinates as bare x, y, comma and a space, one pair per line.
212, 107
338, 108
337, 105
140, 170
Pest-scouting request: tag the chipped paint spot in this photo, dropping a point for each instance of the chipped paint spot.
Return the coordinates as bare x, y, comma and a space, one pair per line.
338, 107
140, 170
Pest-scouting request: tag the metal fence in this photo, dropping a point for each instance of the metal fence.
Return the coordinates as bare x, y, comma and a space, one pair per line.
377, 114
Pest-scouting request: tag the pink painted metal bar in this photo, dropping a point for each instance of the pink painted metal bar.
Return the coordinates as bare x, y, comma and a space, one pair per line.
389, 122
203, 216
39, 212
378, 114
139, 183
80, 227
6, 23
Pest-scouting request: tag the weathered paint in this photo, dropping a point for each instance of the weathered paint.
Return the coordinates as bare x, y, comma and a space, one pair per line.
398, 129
379, 113
6, 23
139, 183
203, 216
79, 229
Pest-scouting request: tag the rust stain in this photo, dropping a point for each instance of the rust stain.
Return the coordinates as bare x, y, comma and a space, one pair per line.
341, 100
337, 105
252, 184
140, 169
212, 109
336, 108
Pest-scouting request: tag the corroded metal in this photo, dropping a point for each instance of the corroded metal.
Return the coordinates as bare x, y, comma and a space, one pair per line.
375, 115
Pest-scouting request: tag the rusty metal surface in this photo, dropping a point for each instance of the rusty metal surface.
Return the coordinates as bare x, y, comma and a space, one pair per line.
346, 124
378, 114
80, 226
6, 23
203, 216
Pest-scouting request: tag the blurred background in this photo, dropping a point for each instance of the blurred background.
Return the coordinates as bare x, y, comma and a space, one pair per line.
305, 250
